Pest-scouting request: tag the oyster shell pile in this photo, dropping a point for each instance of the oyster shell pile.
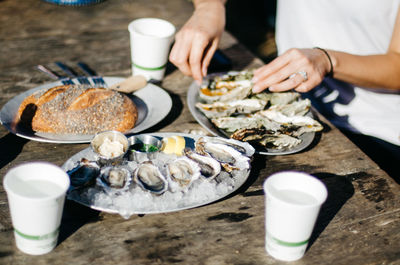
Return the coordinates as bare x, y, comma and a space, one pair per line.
271, 120
165, 172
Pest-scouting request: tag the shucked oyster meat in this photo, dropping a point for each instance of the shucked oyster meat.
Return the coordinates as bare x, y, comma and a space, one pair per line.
223, 109
231, 86
268, 139
150, 178
209, 167
181, 173
116, 177
230, 158
84, 174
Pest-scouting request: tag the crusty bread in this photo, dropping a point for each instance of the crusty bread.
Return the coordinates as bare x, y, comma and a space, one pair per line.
73, 109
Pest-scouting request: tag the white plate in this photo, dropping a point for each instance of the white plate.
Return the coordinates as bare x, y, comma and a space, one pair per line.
81, 197
153, 104
193, 98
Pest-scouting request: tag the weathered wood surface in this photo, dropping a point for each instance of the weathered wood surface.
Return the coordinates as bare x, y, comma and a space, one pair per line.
359, 223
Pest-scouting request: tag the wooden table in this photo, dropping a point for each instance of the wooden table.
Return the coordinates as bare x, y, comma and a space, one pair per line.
359, 223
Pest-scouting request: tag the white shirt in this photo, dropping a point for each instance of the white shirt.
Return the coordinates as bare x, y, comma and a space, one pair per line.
361, 27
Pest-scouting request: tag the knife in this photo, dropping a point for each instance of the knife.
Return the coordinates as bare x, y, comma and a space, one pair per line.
63, 79
82, 80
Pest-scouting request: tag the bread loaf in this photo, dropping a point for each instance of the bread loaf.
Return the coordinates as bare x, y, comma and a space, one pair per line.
74, 109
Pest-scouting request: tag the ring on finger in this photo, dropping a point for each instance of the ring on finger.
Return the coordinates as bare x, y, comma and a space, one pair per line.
302, 73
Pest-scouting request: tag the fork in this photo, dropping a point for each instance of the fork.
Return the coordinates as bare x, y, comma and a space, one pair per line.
98, 80
71, 73
129, 85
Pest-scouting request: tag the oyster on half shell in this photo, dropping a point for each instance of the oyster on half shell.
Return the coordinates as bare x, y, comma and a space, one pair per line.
150, 178
115, 177
181, 173
266, 138
84, 174
232, 124
231, 86
223, 109
230, 158
209, 167
307, 123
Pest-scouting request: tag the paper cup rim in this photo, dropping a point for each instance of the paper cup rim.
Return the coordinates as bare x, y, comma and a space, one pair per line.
64, 186
131, 26
319, 201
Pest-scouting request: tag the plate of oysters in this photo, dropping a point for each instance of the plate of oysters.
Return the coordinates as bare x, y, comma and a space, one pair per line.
273, 123
156, 173
60, 113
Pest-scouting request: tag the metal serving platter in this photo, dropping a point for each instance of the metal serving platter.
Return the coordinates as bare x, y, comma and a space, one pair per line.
153, 104
81, 195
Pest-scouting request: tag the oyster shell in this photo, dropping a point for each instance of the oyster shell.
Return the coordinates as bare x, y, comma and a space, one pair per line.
223, 109
232, 124
279, 141
232, 86
307, 123
251, 134
266, 138
181, 173
150, 178
230, 158
115, 177
284, 98
244, 149
209, 167
84, 174
296, 108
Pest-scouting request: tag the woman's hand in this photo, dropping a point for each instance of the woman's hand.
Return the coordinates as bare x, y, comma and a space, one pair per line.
298, 69
198, 39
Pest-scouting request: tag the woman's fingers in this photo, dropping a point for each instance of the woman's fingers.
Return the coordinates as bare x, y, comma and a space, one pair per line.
208, 56
298, 69
196, 57
198, 39
292, 82
180, 53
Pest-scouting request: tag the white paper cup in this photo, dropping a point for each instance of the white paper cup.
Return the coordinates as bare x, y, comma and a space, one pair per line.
293, 201
151, 39
36, 193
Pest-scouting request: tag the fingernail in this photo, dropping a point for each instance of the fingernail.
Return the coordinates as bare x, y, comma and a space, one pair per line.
254, 80
204, 71
271, 89
255, 89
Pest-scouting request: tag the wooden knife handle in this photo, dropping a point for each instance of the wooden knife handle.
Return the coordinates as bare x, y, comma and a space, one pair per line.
131, 84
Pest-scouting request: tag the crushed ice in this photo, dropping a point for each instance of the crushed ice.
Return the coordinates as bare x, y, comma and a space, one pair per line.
137, 201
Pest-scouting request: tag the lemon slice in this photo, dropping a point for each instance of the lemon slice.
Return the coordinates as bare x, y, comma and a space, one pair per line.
168, 145
180, 145
173, 145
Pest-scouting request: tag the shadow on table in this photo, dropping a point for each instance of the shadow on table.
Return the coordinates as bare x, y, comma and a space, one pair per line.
10, 146
340, 189
74, 217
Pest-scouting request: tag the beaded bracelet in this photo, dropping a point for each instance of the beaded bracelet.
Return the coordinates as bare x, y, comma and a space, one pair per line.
330, 73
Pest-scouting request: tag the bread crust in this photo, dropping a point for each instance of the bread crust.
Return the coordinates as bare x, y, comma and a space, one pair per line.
73, 109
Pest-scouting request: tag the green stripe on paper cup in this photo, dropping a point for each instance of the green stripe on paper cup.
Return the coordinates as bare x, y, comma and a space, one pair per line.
288, 244
42, 237
149, 68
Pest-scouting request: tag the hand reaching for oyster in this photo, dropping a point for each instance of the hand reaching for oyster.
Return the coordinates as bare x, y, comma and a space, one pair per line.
269, 120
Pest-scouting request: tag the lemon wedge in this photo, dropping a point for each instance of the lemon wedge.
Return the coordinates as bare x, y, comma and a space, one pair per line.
173, 145
180, 145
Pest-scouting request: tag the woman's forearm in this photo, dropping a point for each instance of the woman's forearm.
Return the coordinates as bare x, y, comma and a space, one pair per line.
372, 71
196, 3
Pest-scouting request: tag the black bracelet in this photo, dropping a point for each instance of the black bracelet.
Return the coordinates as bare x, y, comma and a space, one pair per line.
330, 73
